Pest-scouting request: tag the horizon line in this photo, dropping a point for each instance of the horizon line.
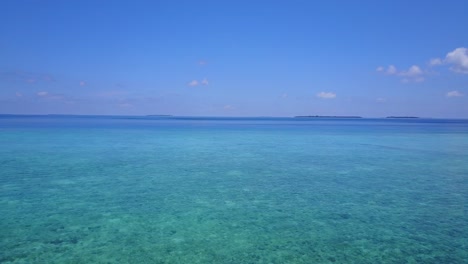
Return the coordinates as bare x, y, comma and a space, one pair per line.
256, 116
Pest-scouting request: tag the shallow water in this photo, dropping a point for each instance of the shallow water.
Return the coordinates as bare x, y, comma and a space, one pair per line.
232, 190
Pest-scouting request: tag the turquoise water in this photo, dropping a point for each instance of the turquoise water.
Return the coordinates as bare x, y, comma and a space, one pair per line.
214, 190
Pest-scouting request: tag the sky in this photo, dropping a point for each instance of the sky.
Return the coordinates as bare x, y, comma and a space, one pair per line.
234, 58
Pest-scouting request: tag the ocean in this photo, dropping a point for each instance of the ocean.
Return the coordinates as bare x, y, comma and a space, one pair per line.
117, 189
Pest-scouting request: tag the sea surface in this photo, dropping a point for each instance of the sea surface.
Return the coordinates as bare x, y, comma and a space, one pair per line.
114, 189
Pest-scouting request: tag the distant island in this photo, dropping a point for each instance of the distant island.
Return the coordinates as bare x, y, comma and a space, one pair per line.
159, 115
402, 117
317, 116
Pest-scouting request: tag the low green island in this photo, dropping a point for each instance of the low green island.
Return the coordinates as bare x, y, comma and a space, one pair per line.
317, 116
402, 117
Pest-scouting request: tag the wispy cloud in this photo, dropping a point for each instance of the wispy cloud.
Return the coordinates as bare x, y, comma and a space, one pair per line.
197, 83
202, 62
435, 62
193, 83
50, 96
381, 100
391, 70
83, 83
18, 94
28, 77
228, 107
326, 95
454, 94
412, 71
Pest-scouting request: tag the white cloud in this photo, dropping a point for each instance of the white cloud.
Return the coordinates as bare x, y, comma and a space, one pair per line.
435, 62
42, 93
326, 95
392, 70
228, 107
196, 82
454, 94
193, 83
413, 74
412, 71
458, 58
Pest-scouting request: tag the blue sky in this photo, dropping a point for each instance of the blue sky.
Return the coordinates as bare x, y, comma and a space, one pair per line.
234, 58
